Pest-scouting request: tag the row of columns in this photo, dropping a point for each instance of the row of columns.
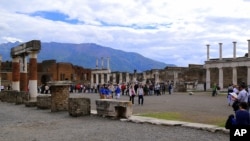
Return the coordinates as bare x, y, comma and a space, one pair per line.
102, 63
220, 50
113, 75
234, 69
19, 74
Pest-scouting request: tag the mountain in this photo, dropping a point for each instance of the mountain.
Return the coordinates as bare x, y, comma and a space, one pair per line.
85, 55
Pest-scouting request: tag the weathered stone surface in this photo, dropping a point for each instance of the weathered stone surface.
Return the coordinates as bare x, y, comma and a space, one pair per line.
78, 105
59, 95
13, 96
114, 108
44, 101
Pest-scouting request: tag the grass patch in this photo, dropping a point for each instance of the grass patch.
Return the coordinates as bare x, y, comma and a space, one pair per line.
218, 121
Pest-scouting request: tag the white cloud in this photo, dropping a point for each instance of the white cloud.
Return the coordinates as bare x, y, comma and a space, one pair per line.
169, 31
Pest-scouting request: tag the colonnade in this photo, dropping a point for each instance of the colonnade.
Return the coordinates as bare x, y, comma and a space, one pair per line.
221, 63
20, 79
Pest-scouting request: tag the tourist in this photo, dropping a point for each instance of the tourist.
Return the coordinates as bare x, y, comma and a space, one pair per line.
131, 93
229, 97
242, 115
46, 89
140, 93
123, 87
214, 89
241, 97
157, 89
117, 91
170, 87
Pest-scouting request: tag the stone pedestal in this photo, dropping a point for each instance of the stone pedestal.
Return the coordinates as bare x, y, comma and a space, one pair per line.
59, 95
78, 105
44, 101
114, 108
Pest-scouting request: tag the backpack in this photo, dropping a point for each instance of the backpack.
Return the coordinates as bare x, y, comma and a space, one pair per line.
230, 122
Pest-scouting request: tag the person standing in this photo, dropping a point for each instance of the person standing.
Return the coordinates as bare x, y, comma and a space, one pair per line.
140, 93
117, 92
242, 115
131, 94
170, 88
214, 89
241, 97
229, 97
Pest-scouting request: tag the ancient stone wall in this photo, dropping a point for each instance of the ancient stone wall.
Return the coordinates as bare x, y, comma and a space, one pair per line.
78, 105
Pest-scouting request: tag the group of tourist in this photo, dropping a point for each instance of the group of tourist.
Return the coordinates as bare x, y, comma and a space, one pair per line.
238, 96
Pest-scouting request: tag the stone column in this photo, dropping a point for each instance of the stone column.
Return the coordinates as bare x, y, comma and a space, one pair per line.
157, 77
221, 77
92, 79
208, 83
102, 78
208, 52
248, 48
59, 95
108, 63
15, 74
102, 63
234, 75
33, 75
220, 44
97, 78
127, 77
120, 78
234, 49
23, 74
175, 77
248, 75
114, 78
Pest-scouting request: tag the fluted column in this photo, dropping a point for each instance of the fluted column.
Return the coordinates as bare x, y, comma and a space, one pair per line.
120, 78
220, 44
108, 63
97, 78
234, 75
208, 58
102, 78
234, 49
92, 79
221, 77
114, 78
102, 63
33, 75
15, 74
108, 78
208, 81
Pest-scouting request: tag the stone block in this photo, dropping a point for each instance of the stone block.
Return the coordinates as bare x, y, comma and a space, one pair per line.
44, 101
78, 106
114, 108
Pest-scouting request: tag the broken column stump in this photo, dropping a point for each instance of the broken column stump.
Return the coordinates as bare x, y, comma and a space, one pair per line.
78, 105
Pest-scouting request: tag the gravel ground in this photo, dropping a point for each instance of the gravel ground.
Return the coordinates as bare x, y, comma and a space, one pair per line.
19, 123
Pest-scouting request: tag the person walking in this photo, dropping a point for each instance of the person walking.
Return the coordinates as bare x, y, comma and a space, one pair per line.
117, 91
140, 93
242, 115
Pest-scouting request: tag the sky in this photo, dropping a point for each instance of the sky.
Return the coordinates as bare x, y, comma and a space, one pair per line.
169, 31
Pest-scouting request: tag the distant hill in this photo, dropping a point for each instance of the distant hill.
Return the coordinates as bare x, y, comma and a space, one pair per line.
85, 55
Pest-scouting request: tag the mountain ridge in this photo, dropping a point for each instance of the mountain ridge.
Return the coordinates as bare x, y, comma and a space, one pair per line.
86, 54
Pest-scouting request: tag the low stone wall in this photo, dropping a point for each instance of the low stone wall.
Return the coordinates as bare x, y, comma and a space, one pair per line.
44, 101
114, 108
13, 96
78, 106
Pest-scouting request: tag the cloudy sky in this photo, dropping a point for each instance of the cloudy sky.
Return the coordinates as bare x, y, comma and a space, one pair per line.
170, 31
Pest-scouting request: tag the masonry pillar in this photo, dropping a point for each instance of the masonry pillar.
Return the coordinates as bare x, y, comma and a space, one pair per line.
208, 52
102, 63
175, 77
221, 77
208, 81
234, 49
220, 44
96, 63
33, 75
248, 75
234, 75
15, 74
23, 74
248, 48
